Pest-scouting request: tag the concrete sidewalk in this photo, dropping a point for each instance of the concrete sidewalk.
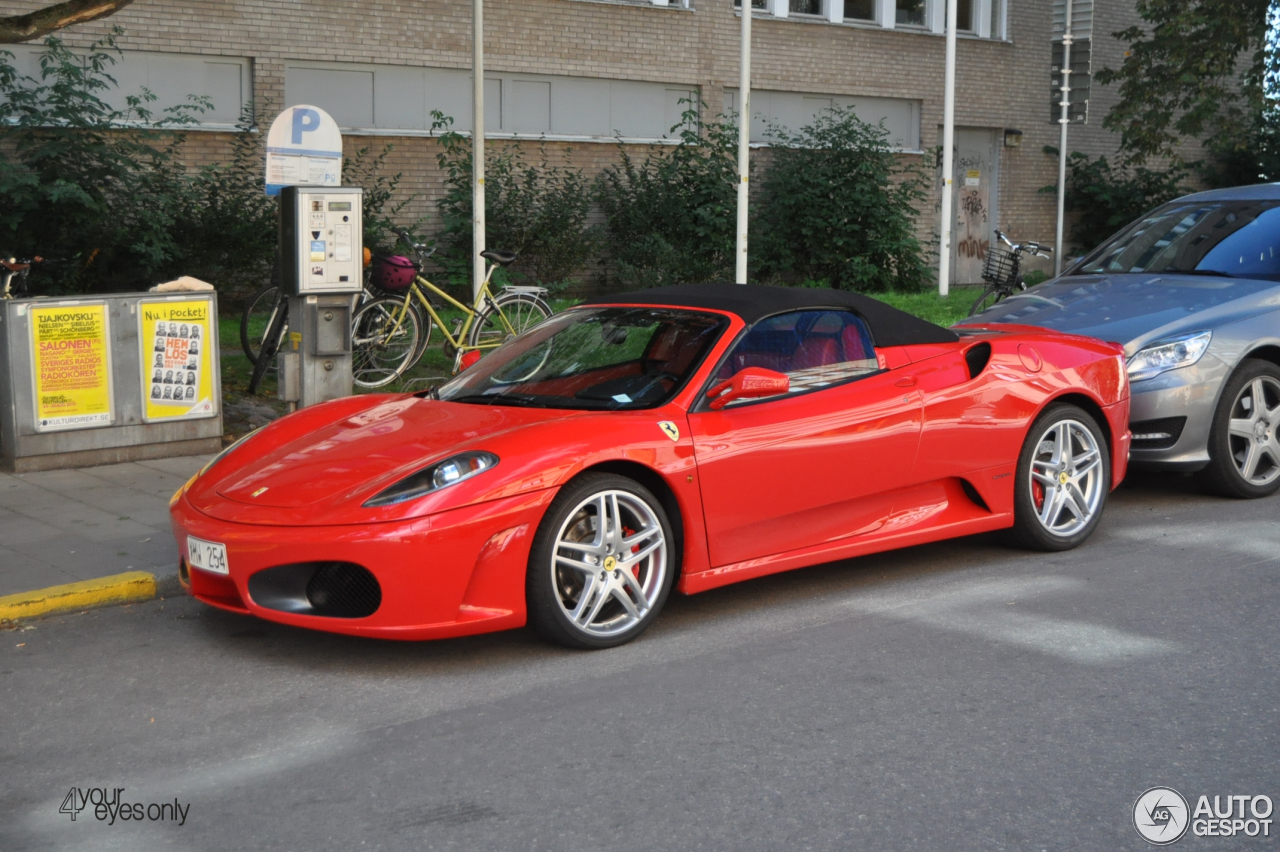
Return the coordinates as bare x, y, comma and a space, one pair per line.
62, 526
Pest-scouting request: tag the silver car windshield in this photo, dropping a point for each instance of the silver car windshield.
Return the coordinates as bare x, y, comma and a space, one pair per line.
1238, 239
593, 358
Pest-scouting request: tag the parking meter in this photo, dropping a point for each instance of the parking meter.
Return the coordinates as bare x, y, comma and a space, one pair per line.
322, 269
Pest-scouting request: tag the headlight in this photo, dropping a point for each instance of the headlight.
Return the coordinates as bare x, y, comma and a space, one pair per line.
1182, 351
442, 474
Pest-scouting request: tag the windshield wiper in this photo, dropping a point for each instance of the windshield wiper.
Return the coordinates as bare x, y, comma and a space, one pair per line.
497, 399
1216, 273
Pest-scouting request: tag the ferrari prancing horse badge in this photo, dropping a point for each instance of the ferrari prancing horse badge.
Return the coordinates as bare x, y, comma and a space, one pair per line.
670, 430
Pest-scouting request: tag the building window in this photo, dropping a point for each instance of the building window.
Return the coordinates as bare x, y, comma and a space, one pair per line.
964, 16
399, 100
859, 10
794, 110
806, 7
909, 13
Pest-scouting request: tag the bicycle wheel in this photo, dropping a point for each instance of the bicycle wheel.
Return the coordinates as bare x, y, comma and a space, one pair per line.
522, 311
272, 339
989, 297
384, 342
257, 318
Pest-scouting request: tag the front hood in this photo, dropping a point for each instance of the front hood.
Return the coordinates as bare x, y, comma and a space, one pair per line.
353, 457
1133, 309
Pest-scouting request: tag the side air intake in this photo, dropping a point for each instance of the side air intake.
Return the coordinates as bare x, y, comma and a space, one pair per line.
976, 357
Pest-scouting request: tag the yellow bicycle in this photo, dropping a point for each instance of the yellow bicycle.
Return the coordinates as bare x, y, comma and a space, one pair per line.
390, 333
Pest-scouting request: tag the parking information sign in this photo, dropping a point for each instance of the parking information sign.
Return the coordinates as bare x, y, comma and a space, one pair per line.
304, 148
177, 360
71, 366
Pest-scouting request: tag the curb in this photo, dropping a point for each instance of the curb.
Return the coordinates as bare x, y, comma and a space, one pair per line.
130, 587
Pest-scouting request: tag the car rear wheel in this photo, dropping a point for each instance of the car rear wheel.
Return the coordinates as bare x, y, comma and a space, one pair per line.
601, 565
1063, 476
1244, 440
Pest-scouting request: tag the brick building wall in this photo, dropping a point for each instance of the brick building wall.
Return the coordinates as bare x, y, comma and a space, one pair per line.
1000, 83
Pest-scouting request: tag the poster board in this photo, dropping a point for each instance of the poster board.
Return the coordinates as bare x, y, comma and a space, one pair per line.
71, 366
176, 360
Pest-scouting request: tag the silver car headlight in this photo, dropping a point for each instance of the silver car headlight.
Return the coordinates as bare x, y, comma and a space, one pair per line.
1168, 354
442, 474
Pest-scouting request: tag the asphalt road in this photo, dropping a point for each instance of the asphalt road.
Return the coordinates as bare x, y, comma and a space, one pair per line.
959, 696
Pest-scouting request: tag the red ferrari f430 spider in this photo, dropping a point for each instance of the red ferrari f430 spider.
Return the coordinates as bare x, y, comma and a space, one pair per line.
679, 438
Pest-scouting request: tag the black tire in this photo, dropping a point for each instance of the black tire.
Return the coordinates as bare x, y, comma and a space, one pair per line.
550, 586
261, 307
989, 297
1029, 530
272, 339
522, 310
1223, 476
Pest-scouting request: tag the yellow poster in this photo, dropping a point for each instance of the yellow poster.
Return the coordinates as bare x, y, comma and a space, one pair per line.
177, 360
71, 367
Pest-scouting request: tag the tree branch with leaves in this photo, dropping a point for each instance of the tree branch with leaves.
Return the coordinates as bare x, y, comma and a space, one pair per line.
1194, 70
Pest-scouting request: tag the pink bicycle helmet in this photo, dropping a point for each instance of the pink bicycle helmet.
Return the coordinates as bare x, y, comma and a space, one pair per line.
392, 273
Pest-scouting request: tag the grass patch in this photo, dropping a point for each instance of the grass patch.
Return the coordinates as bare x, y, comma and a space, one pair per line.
932, 307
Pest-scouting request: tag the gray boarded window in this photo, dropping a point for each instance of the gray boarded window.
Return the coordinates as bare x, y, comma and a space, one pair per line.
395, 99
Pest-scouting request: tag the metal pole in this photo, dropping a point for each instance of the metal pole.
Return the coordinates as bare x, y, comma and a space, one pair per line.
1063, 121
477, 146
948, 144
744, 145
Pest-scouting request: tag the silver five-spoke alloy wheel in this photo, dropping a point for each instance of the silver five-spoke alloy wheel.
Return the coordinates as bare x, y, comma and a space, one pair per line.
1252, 431
610, 561
1066, 482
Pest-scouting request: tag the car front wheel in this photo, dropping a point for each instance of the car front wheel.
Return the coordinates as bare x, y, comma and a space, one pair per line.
1244, 440
1063, 476
602, 563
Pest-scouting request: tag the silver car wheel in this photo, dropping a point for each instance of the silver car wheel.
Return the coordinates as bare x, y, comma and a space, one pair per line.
1066, 478
1252, 431
610, 561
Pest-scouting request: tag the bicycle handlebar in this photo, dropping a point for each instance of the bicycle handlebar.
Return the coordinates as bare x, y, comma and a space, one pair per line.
1033, 248
417, 248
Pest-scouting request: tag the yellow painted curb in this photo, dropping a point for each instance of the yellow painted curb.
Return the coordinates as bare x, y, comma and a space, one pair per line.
129, 587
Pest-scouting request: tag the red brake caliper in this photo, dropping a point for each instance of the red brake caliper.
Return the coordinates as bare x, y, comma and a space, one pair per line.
1037, 494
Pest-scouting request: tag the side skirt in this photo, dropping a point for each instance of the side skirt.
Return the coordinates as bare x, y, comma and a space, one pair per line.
937, 511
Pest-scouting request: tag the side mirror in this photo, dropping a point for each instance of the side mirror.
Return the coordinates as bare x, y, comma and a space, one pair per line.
748, 383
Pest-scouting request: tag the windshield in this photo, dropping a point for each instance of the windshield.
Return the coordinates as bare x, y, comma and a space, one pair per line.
596, 358
1239, 239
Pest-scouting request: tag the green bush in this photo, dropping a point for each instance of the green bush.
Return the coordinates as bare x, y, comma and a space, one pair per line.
1110, 197
107, 190
836, 205
672, 218
78, 188
382, 210
225, 224
537, 210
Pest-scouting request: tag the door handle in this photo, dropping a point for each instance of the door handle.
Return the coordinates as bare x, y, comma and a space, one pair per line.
906, 382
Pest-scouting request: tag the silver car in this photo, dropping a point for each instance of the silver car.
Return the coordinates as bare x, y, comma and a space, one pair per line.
1192, 292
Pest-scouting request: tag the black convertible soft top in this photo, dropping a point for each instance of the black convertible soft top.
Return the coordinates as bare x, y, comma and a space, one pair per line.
889, 326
